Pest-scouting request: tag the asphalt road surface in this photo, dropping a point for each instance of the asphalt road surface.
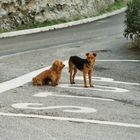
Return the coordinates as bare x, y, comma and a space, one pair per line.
108, 111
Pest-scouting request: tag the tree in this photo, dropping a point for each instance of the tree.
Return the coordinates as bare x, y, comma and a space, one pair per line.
132, 22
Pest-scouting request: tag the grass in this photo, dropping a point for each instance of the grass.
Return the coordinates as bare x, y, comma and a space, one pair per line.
3, 30
37, 25
117, 5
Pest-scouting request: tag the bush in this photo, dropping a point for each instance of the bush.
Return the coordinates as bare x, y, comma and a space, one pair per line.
132, 22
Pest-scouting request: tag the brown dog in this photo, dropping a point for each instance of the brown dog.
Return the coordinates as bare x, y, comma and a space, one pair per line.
84, 65
51, 75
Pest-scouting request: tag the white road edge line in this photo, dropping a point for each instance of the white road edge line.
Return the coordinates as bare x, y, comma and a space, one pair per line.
71, 119
117, 60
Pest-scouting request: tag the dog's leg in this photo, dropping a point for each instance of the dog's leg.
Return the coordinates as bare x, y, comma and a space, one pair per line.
84, 75
37, 82
54, 83
71, 68
71, 80
90, 76
75, 71
46, 81
57, 80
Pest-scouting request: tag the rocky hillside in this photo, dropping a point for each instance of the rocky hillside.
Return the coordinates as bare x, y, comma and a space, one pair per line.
17, 12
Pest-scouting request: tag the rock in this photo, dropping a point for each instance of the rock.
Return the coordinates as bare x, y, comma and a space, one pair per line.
16, 12
3, 13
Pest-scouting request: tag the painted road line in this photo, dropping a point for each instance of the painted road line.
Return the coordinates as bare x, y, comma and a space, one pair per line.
46, 94
104, 79
95, 88
118, 60
119, 124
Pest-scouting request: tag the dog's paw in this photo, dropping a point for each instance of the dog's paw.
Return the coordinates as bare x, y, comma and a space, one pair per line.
86, 86
72, 82
54, 84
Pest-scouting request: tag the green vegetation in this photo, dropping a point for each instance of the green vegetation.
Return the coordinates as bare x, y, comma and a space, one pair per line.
3, 30
117, 5
37, 24
132, 22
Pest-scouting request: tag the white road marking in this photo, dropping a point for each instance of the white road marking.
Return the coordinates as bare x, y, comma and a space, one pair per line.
96, 88
119, 124
73, 109
46, 94
104, 79
127, 60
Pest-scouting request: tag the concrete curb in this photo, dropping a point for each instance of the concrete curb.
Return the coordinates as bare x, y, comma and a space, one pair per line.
60, 26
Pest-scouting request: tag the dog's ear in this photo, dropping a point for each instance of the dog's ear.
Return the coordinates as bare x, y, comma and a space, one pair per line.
63, 65
87, 54
54, 65
94, 54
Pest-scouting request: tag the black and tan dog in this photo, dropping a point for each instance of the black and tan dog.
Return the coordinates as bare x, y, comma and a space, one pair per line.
84, 65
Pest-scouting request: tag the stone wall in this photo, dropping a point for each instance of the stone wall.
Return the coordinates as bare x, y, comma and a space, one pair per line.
17, 12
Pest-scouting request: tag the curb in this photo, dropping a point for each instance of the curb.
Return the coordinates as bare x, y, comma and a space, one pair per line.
60, 26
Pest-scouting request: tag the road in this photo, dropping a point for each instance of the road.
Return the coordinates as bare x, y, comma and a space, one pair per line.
110, 110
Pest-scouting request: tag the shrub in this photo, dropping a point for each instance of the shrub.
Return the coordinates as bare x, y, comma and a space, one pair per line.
132, 22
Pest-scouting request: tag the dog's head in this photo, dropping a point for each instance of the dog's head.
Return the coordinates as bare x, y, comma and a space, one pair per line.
91, 56
58, 65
